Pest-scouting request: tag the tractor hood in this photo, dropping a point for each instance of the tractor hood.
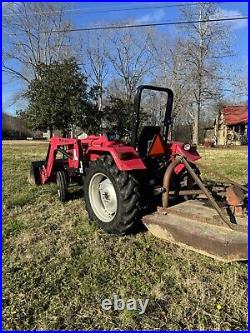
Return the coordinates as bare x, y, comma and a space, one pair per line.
177, 147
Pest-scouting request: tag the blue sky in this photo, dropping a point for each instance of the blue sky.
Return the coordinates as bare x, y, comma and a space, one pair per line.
81, 16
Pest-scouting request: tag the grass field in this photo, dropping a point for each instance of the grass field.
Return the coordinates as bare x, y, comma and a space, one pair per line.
57, 268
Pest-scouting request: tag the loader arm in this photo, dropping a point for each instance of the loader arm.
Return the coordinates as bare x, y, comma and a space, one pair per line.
57, 144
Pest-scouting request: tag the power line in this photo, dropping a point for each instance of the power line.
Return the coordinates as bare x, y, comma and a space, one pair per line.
112, 9
151, 24
128, 26
105, 10
89, 10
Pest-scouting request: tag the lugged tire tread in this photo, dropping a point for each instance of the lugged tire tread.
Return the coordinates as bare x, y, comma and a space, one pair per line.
129, 196
62, 184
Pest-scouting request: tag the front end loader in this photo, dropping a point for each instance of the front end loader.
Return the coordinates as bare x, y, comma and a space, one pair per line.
151, 180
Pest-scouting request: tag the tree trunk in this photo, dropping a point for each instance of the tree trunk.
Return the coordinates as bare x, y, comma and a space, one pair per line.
49, 133
99, 102
64, 133
72, 132
195, 128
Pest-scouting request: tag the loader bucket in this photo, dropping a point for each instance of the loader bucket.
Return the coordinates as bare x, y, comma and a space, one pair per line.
34, 176
197, 226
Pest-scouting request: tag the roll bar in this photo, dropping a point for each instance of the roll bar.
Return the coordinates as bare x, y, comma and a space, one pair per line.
136, 112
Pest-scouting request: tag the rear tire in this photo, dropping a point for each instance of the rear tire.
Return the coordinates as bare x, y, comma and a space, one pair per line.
62, 188
112, 197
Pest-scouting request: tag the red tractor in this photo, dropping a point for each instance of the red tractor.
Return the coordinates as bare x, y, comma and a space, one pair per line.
123, 182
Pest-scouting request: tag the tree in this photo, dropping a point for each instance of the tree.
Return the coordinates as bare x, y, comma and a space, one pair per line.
130, 58
30, 40
240, 85
202, 48
116, 115
58, 99
93, 51
170, 72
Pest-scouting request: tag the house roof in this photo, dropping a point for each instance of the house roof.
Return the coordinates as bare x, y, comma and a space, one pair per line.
235, 114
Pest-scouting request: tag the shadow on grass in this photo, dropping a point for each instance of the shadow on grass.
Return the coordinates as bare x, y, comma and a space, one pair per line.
79, 194
137, 228
76, 194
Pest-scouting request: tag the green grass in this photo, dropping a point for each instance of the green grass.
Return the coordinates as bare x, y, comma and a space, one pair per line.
57, 268
231, 163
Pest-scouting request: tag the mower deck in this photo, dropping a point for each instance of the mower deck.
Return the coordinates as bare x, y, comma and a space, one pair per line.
196, 226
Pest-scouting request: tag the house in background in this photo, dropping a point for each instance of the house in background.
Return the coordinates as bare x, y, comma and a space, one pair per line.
230, 126
77, 133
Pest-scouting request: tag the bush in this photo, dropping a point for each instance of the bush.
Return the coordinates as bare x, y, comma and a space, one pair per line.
14, 128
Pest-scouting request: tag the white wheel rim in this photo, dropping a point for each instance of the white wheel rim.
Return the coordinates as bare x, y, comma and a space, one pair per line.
102, 197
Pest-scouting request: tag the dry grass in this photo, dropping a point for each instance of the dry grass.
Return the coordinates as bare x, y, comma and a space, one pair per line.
57, 268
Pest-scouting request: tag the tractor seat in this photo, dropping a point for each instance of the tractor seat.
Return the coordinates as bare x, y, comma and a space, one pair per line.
146, 138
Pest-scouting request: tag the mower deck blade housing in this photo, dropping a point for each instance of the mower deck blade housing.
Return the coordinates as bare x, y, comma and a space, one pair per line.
196, 226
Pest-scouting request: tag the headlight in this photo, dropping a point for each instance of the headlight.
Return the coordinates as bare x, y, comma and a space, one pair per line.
186, 146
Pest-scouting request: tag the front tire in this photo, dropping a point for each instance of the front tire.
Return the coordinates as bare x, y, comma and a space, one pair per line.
112, 197
62, 188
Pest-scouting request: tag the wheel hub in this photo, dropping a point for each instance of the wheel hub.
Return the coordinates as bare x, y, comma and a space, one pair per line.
103, 197
108, 196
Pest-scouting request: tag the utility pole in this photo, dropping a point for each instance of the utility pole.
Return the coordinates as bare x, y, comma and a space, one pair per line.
199, 74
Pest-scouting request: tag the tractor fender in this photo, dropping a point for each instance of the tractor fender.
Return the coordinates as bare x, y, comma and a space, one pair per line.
177, 148
125, 157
